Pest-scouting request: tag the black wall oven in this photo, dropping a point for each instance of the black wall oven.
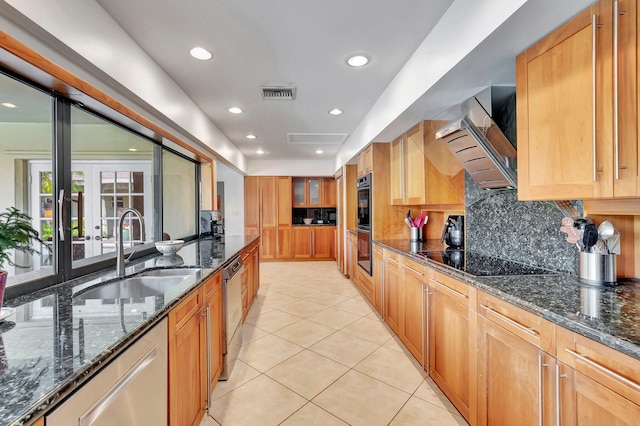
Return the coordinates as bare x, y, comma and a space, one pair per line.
364, 222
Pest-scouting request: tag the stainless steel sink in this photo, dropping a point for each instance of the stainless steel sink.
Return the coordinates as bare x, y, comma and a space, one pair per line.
147, 283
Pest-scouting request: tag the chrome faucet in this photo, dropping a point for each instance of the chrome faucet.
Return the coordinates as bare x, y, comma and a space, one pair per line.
121, 261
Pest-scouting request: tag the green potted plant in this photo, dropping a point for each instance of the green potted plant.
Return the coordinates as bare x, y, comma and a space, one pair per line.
16, 233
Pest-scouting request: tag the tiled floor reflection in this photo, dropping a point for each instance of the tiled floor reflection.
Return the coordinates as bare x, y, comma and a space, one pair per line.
315, 353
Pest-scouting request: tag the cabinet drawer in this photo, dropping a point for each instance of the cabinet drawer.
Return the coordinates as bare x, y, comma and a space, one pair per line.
391, 255
179, 315
528, 326
212, 284
618, 372
459, 291
414, 268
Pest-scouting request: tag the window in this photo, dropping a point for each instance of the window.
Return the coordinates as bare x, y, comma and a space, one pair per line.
178, 196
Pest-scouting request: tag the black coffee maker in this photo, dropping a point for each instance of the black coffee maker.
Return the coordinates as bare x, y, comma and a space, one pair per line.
453, 232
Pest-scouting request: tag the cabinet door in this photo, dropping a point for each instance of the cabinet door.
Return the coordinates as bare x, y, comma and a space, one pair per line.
314, 192
393, 296
414, 191
284, 201
301, 242
444, 175
284, 243
299, 192
268, 242
323, 242
515, 371
587, 402
269, 198
329, 197
397, 172
251, 202
412, 328
449, 348
186, 373
377, 269
556, 80
214, 301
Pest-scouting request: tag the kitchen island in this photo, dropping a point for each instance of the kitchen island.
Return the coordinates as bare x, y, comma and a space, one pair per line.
56, 341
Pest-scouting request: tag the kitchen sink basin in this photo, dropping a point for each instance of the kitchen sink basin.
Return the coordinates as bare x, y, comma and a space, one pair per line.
145, 284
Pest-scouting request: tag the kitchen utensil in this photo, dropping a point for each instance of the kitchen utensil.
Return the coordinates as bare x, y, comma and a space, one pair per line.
606, 230
408, 222
600, 247
597, 269
307, 221
590, 236
567, 209
614, 242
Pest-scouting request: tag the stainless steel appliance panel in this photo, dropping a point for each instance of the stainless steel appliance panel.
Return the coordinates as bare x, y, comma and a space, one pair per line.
364, 250
231, 315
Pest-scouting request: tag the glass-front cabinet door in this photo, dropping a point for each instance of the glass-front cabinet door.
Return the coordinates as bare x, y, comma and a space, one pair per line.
299, 192
314, 185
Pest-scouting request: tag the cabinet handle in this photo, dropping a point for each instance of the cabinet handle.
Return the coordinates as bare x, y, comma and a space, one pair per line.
382, 287
450, 290
558, 407
541, 365
207, 314
414, 270
594, 24
94, 412
402, 168
392, 260
61, 215
425, 317
604, 369
529, 331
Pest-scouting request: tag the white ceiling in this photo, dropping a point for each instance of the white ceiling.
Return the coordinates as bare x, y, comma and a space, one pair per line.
280, 42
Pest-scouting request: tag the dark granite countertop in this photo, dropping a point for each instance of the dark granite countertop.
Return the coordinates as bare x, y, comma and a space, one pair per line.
42, 355
609, 314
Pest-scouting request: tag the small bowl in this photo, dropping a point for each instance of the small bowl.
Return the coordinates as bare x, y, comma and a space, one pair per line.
169, 248
307, 221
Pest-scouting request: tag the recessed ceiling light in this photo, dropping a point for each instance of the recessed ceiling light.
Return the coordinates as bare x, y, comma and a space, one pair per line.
133, 149
259, 151
235, 110
335, 111
8, 105
358, 61
250, 136
201, 53
319, 151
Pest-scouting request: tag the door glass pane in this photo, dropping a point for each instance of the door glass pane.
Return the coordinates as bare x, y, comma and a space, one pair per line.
314, 192
117, 170
298, 192
179, 196
25, 173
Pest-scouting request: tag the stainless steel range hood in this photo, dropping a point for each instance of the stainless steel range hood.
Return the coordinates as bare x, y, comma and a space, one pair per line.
482, 148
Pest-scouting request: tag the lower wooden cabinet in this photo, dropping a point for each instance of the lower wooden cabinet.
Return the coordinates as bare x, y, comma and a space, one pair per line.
285, 242
393, 295
377, 269
269, 238
314, 242
452, 342
413, 310
301, 242
352, 255
189, 352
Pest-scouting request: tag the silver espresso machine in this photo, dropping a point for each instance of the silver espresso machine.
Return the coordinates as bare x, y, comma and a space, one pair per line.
212, 224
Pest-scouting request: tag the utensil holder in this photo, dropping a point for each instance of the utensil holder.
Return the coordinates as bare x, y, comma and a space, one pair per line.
596, 268
416, 234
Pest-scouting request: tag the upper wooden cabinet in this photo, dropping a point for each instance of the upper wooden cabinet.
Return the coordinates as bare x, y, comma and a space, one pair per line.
312, 192
423, 170
577, 108
365, 161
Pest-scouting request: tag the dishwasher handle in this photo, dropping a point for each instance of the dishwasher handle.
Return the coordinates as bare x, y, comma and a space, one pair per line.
234, 267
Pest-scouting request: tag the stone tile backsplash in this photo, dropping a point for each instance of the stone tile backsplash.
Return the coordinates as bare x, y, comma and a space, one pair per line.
497, 224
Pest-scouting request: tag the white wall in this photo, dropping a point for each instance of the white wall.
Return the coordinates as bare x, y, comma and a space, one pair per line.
291, 168
233, 199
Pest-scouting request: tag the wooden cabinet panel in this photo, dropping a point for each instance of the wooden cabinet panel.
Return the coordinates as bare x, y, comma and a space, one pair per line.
285, 242
213, 299
329, 195
413, 321
377, 269
323, 238
396, 158
269, 200
309, 192
284, 201
365, 161
268, 242
444, 175
515, 371
352, 255
556, 81
301, 242
251, 202
414, 192
393, 295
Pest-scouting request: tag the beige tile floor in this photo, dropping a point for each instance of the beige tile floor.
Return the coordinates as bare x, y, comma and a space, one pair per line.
316, 353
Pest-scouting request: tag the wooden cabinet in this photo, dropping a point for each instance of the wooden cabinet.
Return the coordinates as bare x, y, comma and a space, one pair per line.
261, 212
377, 270
316, 242
408, 168
513, 366
251, 203
352, 255
365, 161
329, 194
412, 331
577, 108
308, 192
597, 384
452, 342
250, 277
188, 352
393, 295
283, 238
187, 362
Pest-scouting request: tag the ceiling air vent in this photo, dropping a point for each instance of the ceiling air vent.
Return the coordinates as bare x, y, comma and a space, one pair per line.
278, 93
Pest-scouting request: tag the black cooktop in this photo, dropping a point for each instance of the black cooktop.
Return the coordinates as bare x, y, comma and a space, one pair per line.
481, 265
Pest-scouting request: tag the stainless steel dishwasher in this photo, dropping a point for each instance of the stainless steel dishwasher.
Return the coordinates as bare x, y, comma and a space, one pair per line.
231, 315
